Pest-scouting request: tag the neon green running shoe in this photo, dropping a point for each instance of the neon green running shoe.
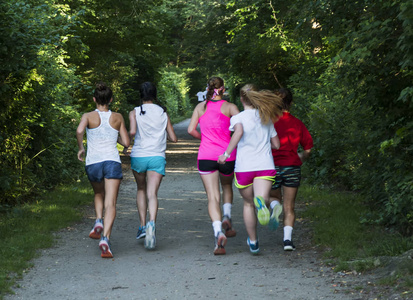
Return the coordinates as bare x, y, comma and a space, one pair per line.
263, 213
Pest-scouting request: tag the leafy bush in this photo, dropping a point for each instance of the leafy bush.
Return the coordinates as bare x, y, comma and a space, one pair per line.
173, 91
360, 109
37, 116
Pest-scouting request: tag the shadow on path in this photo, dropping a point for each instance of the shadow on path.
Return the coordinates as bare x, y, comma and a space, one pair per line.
183, 265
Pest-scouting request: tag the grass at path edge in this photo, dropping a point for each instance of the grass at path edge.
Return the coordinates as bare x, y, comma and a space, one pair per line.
27, 228
334, 218
349, 244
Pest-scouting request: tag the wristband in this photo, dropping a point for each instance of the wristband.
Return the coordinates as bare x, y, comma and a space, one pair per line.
226, 154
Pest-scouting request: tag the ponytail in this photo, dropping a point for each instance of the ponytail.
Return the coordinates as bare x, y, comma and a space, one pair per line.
215, 88
148, 92
268, 104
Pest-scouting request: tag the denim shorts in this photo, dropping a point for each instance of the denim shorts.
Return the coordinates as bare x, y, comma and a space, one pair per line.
149, 163
106, 169
289, 176
245, 179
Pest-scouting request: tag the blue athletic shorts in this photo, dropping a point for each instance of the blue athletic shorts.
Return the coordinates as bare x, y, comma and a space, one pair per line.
289, 176
149, 163
106, 169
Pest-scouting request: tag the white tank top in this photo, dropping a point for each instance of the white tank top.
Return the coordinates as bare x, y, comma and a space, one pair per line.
150, 138
101, 141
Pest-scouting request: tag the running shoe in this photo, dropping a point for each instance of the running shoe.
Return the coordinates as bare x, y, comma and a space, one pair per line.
150, 239
288, 245
227, 226
274, 221
220, 241
97, 229
141, 232
254, 247
104, 245
263, 213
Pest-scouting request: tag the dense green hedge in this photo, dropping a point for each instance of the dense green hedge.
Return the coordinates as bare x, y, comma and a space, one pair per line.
37, 116
361, 109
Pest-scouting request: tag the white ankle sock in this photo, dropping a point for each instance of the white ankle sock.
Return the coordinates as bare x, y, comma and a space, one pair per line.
288, 231
217, 225
274, 203
227, 209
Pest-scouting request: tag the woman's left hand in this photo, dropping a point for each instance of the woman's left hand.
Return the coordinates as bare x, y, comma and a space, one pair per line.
222, 159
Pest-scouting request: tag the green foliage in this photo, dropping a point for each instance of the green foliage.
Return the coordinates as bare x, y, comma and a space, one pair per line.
360, 112
173, 91
36, 149
335, 218
26, 228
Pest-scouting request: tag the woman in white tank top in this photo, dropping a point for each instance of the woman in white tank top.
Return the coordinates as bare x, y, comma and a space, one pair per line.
149, 127
104, 129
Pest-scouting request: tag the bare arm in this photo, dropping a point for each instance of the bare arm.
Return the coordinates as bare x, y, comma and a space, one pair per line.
234, 110
171, 132
80, 132
123, 139
229, 109
132, 124
132, 130
275, 142
235, 138
304, 155
194, 123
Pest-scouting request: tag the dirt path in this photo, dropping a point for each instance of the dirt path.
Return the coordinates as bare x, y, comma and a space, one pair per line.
182, 266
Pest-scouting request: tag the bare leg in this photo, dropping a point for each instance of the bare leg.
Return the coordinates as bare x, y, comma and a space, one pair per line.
153, 182
275, 195
227, 192
141, 202
99, 190
227, 199
262, 187
211, 185
289, 195
250, 218
111, 195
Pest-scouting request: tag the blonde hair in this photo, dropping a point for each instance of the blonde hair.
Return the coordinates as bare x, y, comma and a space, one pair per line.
268, 104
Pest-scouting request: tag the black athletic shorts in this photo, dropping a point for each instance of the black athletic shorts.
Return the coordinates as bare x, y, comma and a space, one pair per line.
289, 176
210, 166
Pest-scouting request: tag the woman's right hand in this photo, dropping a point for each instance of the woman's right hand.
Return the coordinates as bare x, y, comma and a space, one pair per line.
81, 155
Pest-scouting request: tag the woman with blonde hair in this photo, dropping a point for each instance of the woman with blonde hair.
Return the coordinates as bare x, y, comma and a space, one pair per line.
254, 136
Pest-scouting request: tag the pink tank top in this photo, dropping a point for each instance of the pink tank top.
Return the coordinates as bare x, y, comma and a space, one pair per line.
215, 134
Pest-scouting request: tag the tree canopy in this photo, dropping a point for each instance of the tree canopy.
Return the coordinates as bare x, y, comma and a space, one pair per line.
348, 63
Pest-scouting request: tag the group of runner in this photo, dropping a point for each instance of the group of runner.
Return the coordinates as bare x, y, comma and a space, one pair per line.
258, 147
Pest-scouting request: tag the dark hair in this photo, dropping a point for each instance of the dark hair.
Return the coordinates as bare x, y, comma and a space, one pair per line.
148, 92
102, 94
287, 97
213, 84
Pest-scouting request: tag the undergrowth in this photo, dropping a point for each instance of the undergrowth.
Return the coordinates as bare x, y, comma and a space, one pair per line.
346, 240
27, 228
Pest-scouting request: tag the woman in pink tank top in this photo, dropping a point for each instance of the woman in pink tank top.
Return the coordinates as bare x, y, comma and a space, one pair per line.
213, 116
